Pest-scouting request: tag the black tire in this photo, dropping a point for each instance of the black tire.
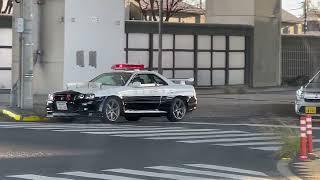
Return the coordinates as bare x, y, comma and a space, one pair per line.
132, 117
112, 110
177, 111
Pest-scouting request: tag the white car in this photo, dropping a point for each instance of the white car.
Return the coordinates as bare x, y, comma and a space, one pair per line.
308, 97
126, 92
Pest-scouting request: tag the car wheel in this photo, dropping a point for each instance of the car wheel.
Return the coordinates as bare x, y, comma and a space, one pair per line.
132, 117
112, 110
178, 110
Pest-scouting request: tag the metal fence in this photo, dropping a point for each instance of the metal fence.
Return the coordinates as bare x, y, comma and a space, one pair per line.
300, 57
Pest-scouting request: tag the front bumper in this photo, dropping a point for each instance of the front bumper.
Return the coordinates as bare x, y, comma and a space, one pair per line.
301, 104
75, 109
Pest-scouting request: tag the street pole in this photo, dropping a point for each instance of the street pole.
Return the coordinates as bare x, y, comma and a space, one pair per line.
305, 25
160, 38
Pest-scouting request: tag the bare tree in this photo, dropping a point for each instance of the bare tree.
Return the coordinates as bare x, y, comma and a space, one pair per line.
151, 7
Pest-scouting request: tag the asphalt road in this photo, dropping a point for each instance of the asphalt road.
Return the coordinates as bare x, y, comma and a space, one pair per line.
201, 147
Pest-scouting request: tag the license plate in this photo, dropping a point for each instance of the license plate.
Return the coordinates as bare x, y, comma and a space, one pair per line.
62, 105
311, 110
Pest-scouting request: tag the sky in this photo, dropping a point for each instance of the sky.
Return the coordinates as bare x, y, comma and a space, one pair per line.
292, 6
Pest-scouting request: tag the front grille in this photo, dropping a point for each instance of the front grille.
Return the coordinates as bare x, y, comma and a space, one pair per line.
312, 100
64, 97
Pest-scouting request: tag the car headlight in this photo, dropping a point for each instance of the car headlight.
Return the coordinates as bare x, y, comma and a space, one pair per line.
81, 96
50, 97
300, 94
90, 96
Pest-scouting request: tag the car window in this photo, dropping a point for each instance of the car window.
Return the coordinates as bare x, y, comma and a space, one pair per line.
316, 79
113, 79
143, 79
159, 81
149, 79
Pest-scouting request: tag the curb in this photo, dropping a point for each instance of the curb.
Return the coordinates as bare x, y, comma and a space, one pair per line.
22, 118
283, 168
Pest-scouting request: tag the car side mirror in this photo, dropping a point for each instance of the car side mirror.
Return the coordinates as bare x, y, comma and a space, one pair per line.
136, 84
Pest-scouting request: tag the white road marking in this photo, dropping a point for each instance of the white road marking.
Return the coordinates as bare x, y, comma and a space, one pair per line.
267, 148
98, 176
37, 177
229, 169
250, 143
211, 136
180, 134
116, 129
230, 140
316, 140
150, 131
158, 175
202, 172
240, 124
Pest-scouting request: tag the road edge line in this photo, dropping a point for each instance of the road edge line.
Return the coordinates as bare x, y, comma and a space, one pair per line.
283, 168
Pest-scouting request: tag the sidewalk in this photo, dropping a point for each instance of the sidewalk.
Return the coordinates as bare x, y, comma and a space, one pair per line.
309, 170
243, 90
213, 102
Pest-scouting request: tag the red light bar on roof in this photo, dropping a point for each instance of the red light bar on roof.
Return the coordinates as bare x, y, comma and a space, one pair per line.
127, 66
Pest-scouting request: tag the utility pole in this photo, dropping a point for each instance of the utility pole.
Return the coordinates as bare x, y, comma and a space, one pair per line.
160, 37
305, 24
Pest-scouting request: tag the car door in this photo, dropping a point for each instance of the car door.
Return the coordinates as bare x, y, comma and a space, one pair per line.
144, 97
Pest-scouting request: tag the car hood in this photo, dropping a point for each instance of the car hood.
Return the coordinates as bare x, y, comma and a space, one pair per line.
89, 87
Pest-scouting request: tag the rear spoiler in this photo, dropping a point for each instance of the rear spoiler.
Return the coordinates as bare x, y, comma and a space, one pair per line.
183, 81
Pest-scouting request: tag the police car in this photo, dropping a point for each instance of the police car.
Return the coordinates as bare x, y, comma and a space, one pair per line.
128, 91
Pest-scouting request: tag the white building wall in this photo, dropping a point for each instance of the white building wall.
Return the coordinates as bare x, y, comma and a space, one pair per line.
93, 25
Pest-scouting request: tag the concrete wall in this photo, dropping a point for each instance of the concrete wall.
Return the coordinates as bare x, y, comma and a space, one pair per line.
230, 11
267, 43
265, 16
93, 25
48, 71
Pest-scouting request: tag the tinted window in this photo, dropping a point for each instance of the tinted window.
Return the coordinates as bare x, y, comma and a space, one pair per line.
113, 79
149, 79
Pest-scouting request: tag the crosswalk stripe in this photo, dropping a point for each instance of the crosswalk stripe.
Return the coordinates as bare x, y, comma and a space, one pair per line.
98, 176
155, 174
316, 140
211, 136
37, 177
267, 148
70, 126
115, 129
149, 131
202, 172
250, 143
230, 139
99, 127
229, 169
180, 134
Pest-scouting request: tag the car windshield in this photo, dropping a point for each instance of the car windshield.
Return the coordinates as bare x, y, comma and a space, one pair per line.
315, 83
112, 79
